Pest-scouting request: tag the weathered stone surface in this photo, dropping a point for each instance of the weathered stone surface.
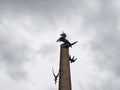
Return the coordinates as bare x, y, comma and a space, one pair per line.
65, 78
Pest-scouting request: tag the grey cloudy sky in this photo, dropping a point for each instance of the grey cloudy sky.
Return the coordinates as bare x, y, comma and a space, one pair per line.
28, 49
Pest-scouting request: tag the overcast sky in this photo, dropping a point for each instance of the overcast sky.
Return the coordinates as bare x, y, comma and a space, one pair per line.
28, 49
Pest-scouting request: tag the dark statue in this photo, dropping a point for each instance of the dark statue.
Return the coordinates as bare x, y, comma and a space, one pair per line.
63, 39
66, 44
73, 59
55, 76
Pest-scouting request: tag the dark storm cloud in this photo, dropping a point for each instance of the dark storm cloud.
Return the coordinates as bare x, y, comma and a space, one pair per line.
44, 13
13, 54
47, 8
99, 13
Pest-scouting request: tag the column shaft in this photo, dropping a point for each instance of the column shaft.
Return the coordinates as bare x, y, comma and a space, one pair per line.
65, 78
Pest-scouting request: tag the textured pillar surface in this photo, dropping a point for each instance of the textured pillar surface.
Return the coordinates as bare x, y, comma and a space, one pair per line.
65, 78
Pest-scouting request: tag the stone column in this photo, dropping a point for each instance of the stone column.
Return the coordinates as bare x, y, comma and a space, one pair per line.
64, 78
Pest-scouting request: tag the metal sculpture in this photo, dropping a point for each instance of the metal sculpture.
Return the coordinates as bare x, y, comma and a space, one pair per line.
73, 59
64, 68
63, 39
55, 76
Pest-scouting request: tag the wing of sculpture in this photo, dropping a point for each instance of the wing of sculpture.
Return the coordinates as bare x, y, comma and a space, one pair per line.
73, 43
53, 72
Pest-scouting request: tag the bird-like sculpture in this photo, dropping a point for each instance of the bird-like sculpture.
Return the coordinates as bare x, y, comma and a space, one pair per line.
73, 59
55, 76
65, 41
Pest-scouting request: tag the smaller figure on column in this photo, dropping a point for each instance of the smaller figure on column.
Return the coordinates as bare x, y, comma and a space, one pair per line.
72, 59
55, 76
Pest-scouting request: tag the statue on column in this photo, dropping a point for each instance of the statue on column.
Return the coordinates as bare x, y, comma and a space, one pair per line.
63, 39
